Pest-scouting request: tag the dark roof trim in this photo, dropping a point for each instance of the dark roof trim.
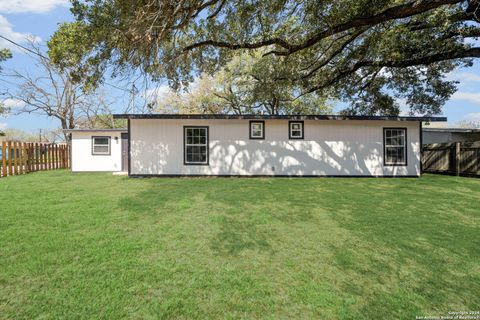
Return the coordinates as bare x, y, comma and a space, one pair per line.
96, 130
457, 130
275, 117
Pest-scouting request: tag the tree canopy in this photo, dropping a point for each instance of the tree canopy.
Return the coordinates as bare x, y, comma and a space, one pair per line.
368, 53
245, 85
4, 55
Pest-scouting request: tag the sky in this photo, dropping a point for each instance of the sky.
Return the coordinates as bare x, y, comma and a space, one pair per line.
40, 18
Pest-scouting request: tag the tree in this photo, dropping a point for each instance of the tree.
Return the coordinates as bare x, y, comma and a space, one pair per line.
54, 93
249, 84
13, 134
367, 53
4, 55
243, 86
469, 124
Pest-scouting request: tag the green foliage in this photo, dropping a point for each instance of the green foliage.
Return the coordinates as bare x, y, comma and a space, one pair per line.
244, 86
68, 49
4, 55
104, 121
367, 53
87, 246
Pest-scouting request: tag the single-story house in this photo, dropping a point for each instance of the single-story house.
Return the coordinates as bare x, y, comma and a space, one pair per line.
448, 135
99, 150
262, 145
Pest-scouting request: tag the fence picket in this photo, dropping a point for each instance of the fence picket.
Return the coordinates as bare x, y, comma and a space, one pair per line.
44, 156
29, 159
4, 158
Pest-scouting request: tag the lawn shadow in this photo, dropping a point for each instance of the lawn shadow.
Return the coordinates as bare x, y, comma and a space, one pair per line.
410, 244
236, 235
248, 214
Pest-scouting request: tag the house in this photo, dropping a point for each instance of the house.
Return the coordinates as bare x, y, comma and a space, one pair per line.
99, 149
281, 145
447, 135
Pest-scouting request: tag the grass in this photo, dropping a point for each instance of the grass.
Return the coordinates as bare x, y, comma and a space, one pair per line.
101, 246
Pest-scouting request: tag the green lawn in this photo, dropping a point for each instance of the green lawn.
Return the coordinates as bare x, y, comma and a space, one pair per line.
101, 246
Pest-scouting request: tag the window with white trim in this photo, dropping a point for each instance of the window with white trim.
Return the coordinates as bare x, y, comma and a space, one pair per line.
295, 130
196, 145
395, 146
101, 145
257, 130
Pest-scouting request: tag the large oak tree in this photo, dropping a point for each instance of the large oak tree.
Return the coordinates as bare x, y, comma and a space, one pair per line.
369, 53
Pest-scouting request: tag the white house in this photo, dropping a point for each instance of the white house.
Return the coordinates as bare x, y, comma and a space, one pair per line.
259, 145
99, 150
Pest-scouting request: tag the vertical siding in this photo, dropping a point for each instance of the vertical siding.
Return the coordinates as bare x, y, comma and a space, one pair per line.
82, 158
329, 148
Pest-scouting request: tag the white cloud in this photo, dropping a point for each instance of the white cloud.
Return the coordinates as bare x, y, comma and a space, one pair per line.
158, 92
13, 103
32, 6
3, 126
473, 97
7, 31
463, 76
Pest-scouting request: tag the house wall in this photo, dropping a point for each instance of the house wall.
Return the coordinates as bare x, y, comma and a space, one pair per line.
330, 147
82, 158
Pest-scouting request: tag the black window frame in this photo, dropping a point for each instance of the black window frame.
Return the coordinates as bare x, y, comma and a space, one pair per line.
109, 146
290, 137
250, 130
185, 146
399, 164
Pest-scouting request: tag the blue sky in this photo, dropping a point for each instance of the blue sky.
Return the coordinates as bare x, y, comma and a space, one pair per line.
40, 18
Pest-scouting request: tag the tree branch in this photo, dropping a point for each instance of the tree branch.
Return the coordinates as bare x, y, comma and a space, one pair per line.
401, 11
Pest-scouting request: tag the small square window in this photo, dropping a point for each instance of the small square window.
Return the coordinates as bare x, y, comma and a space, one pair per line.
257, 130
295, 130
101, 146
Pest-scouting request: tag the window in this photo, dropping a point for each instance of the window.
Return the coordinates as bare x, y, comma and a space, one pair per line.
196, 145
295, 130
101, 146
395, 147
257, 130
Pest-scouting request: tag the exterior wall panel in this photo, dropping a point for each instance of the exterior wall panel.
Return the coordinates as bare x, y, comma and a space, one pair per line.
330, 147
82, 158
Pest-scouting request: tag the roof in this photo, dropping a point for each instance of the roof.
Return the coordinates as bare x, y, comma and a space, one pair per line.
97, 130
456, 130
273, 117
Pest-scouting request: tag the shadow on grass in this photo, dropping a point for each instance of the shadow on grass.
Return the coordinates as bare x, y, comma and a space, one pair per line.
420, 247
238, 212
236, 235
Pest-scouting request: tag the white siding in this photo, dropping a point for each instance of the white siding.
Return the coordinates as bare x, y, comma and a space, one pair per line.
330, 147
82, 158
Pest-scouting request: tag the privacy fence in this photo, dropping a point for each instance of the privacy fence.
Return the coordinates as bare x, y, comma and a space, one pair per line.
24, 157
460, 158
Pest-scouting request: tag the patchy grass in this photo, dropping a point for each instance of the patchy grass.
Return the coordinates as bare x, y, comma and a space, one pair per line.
102, 246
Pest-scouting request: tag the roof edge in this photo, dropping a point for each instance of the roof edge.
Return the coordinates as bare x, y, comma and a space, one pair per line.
274, 117
460, 130
97, 130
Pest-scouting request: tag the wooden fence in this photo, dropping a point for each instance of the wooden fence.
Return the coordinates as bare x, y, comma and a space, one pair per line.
23, 157
460, 158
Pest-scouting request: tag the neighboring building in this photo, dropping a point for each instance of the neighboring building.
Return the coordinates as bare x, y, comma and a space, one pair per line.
99, 149
257, 145
446, 135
